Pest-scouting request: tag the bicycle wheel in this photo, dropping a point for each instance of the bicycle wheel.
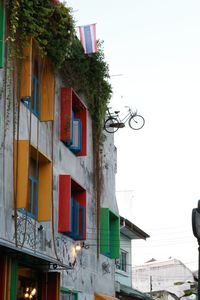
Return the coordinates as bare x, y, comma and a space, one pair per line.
136, 122
111, 125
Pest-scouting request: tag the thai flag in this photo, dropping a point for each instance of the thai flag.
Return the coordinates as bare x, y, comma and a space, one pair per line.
88, 38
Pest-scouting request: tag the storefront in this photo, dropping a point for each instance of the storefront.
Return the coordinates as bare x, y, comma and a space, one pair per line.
26, 276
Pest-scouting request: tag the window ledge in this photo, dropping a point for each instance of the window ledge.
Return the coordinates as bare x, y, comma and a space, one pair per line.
123, 273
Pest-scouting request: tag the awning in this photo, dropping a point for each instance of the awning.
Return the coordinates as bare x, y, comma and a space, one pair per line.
99, 296
31, 258
135, 294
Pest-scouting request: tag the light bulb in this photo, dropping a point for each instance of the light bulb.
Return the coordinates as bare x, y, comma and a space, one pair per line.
33, 292
78, 247
26, 295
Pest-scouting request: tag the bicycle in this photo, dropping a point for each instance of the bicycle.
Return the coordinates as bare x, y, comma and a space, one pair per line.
113, 121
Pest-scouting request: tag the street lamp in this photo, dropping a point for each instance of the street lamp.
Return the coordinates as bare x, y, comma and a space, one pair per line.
196, 232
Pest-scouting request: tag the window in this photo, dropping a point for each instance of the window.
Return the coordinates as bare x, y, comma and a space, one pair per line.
73, 122
72, 208
36, 79
109, 233
66, 294
32, 205
123, 261
75, 145
37, 82
2, 33
33, 181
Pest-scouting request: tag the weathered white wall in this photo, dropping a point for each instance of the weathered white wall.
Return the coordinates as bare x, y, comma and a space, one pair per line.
88, 275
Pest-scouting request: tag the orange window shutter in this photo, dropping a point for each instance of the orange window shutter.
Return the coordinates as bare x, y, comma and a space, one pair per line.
45, 191
47, 91
26, 71
21, 172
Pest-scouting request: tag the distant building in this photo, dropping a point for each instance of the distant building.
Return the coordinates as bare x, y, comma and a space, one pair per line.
123, 273
164, 280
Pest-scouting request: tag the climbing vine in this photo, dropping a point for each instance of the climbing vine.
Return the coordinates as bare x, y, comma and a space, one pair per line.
88, 75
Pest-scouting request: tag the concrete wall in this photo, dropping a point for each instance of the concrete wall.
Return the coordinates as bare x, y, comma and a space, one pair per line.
88, 274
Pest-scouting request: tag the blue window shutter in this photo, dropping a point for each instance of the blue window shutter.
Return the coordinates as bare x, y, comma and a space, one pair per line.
81, 222
33, 194
75, 219
76, 135
35, 100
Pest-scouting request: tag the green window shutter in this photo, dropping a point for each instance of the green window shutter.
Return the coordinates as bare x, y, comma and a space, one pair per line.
2, 29
13, 280
114, 236
105, 232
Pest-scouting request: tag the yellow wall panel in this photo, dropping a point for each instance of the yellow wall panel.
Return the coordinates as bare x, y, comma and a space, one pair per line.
48, 91
21, 172
26, 71
99, 296
45, 192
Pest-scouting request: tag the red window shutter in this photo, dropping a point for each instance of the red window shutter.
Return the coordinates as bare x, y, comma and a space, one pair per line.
64, 218
66, 115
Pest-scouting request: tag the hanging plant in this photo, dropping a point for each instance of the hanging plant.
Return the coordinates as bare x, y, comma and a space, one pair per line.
89, 74
50, 24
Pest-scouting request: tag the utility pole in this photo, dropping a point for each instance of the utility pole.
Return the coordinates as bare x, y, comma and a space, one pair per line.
150, 285
196, 232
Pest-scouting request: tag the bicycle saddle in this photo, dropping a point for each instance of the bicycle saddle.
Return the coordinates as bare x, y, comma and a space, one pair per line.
116, 111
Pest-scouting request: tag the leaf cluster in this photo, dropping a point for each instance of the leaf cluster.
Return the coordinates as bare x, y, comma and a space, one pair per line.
88, 75
52, 26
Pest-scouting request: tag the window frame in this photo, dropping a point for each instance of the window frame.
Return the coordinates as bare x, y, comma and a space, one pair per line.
23, 151
123, 265
109, 233
42, 104
72, 108
72, 208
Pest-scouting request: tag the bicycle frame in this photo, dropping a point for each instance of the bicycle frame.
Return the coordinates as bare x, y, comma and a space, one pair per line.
113, 121
124, 119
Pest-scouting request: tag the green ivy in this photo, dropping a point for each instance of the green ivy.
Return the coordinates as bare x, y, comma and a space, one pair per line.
88, 75
52, 26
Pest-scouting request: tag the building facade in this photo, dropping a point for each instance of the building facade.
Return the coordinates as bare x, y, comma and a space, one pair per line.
51, 245
123, 275
170, 278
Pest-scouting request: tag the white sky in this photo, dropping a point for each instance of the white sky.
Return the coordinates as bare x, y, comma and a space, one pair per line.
155, 44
